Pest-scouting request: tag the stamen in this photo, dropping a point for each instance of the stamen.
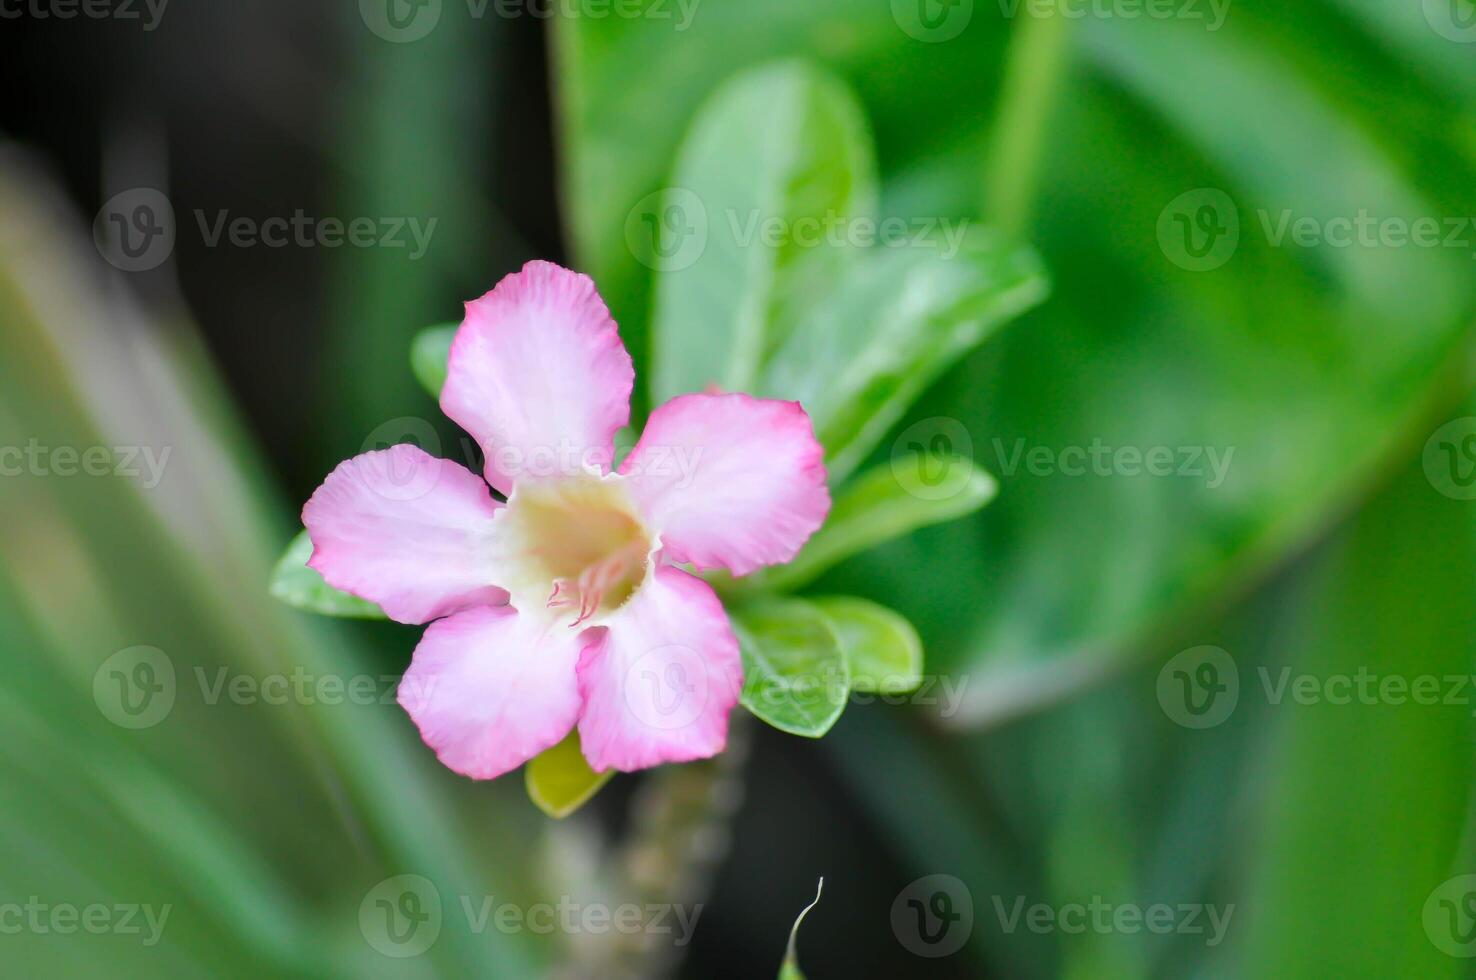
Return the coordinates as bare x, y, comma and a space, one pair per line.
596, 580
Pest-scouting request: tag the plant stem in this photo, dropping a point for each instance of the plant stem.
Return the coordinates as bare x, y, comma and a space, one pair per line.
1034, 63
679, 835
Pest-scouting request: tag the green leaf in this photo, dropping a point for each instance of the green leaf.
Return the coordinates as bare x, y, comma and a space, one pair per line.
776, 160
904, 316
914, 490
1363, 808
1322, 113
882, 649
429, 352
262, 821
789, 969
795, 674
298, 585
628, 90
560, 781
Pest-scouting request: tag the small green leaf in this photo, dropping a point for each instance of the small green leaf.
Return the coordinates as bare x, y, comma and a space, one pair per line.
428, 354
742, 240
882, 649
297, 585
795, 674
789, 969
883, 503
559, 781
861, 358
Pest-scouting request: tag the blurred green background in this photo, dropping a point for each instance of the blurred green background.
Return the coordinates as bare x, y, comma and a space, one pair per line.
1216, 193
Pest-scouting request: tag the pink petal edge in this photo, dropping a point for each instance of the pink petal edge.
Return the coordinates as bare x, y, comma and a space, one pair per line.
406, 530
730, 480
661, 678
539, 376
490, 688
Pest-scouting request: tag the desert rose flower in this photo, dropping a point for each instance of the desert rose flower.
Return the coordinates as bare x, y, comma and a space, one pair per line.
565, 606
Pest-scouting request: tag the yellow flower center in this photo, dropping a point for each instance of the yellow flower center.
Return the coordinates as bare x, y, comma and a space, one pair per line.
574, 545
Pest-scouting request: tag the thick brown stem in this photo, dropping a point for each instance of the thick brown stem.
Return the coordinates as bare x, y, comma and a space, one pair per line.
680, 833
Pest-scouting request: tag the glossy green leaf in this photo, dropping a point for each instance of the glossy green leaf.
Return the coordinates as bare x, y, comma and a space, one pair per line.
1286, 110
914, 490
429, 352
794, 670
882, 649
298, 585
774, 166
628, 90
789, 969
560, 781
881, 337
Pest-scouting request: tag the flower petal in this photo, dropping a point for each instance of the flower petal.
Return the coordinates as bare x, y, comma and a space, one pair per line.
406, 530
660, 679
729, 480
539, 377
490, 688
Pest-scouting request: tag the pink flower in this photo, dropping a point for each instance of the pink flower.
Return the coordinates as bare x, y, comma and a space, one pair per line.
565, 605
